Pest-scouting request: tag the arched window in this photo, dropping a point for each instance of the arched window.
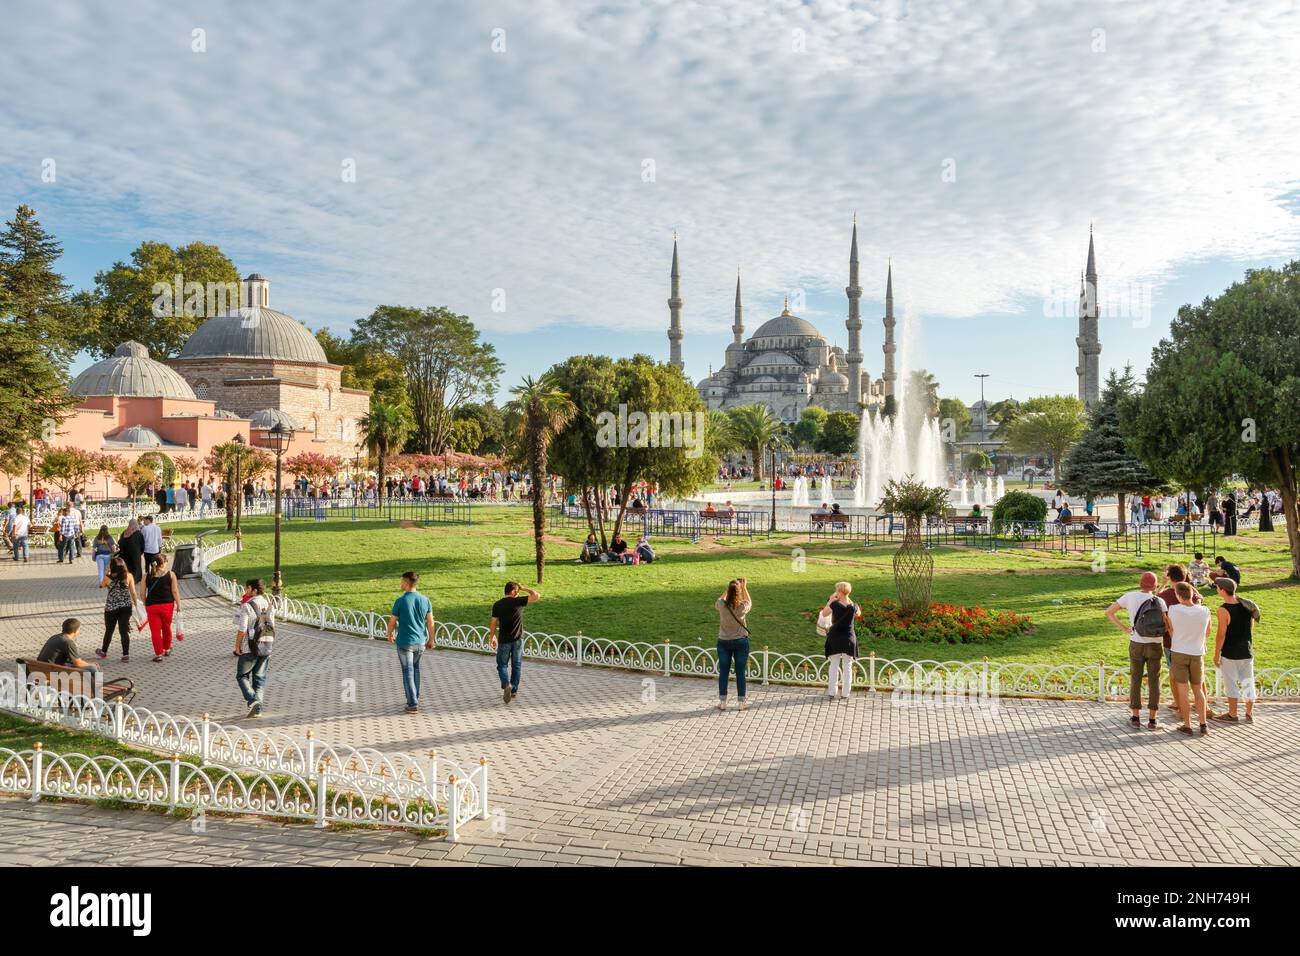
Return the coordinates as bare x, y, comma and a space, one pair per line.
201, 390
340, 430
315, 425
329, 397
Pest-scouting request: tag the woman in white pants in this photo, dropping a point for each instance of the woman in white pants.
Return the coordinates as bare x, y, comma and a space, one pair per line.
841, 641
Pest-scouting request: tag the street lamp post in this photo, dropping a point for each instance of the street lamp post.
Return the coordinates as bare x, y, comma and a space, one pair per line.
771, 450
233, 498
281, 439
984, 411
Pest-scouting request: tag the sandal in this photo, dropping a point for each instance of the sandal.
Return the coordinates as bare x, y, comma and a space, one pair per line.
1250, 718
1204, 730
1184, 729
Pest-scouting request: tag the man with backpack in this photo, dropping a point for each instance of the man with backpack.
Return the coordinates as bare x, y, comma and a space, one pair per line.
256, 624
1148, 623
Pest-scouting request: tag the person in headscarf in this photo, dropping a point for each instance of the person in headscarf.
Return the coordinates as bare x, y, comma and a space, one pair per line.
130, 548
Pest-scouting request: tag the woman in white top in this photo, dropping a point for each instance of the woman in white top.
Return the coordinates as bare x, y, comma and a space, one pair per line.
1189, 626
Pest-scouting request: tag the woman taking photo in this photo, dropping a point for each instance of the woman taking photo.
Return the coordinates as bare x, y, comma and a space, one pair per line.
162, 599
733, 639
841, 640
117, 607
103, 551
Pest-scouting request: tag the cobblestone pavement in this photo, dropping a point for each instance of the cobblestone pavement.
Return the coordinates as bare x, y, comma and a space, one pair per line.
603, 767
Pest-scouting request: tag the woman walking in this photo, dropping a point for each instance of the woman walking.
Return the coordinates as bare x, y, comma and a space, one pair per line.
103, 551
733, 639
130, 546
841, 640
162, 599
117, 607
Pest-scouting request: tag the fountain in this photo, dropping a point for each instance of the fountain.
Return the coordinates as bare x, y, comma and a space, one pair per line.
828, 495
1001, 489
909, 444
963, 493
988, 490
799, 493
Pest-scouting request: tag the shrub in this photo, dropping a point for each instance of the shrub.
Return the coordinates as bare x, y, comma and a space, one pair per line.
1019, 506
945, 624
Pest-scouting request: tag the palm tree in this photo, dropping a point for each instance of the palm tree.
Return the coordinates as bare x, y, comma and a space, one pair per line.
543, 411
384, 428
752, 427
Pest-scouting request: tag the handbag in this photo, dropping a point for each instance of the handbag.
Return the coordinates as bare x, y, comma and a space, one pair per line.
823, 622
138, 615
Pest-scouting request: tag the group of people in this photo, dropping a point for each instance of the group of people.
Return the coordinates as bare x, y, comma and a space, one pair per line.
618, 551
1173, 625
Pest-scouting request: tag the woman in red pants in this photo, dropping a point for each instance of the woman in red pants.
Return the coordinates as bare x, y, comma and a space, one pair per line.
162, 599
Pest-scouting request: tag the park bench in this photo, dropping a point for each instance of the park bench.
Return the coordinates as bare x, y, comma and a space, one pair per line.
835, 521
167, 543
59, 676
969, 522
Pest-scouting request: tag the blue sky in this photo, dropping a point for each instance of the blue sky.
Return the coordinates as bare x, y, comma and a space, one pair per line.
1172, 127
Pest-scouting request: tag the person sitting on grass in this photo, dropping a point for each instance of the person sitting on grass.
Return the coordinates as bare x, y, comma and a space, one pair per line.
1226, 569
590, 552
644, 552
618, 547
1199, 571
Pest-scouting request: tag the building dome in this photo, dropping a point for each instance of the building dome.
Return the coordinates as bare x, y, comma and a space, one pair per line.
774, 358
832, 380
138, 435
787, 326
224, 413
268, 418
130, 372
254, 331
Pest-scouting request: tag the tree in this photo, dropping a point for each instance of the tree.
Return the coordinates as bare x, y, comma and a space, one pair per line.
754, 426
491, 422
69, 468
383, 429
186, 465
131, 474
544, 411
313, 466
377, 372
1051, 423
840, 434
466, 435
1001, 414
34, 295
1222, 394
921, 382
954, 419
719, 435
808, 429
443, 362
977, 461
1101, 463
233, 459
138, 301
35, 396
913, 563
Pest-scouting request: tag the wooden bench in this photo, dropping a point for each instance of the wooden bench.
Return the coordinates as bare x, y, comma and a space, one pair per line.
969, 522
835, 521
167, 543
54, 675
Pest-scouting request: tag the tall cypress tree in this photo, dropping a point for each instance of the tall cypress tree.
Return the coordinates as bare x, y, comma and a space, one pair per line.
36, 295
1101, 464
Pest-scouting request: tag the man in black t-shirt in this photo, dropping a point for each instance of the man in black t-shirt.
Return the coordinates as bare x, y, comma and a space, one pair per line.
62, 649
508, 618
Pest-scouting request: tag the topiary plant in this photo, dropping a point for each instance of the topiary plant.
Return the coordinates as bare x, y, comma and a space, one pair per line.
1019, 507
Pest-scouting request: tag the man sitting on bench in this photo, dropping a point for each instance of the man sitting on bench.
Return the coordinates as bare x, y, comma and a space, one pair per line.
61, 649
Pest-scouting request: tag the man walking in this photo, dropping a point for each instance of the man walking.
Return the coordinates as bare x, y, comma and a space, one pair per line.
205, 498
17, 528
151, 539
69, 534
508, 618
1148, 622
410, 629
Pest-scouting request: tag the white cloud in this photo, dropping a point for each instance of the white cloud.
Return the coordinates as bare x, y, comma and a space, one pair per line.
522, 170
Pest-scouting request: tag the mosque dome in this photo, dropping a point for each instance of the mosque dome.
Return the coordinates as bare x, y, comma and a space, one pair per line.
138, 435
254, 331
268, 418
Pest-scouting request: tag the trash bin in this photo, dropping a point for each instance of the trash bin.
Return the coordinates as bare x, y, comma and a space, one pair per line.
183, 561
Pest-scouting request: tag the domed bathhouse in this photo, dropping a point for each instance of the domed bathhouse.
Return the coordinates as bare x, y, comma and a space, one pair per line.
254, 359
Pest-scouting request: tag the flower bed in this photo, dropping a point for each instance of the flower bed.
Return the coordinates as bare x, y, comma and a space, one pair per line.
945, 624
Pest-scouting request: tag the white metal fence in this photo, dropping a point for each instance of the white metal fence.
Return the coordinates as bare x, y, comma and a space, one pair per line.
1099, 681
290, 776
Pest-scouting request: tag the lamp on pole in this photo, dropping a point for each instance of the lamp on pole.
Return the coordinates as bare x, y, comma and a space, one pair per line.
280, 437
233, 499
984, 411
771, 451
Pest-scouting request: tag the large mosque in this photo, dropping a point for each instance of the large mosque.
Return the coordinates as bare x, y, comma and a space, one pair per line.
787, 364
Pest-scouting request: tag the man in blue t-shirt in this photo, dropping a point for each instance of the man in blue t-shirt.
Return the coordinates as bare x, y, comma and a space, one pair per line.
410, 629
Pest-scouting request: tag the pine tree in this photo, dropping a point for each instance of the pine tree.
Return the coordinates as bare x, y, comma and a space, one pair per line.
1101, 464
36, 295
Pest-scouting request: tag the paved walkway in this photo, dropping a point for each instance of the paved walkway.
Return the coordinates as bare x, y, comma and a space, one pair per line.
602, 767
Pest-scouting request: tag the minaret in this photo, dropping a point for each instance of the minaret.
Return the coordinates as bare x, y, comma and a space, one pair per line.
675, 314
854, 324
1089, 340
738, 327
889, 375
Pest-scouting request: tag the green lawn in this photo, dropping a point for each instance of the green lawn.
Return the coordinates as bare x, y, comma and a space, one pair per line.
359, 564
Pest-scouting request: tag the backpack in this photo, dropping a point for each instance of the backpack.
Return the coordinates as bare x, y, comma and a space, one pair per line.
1150, 620
261, 636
